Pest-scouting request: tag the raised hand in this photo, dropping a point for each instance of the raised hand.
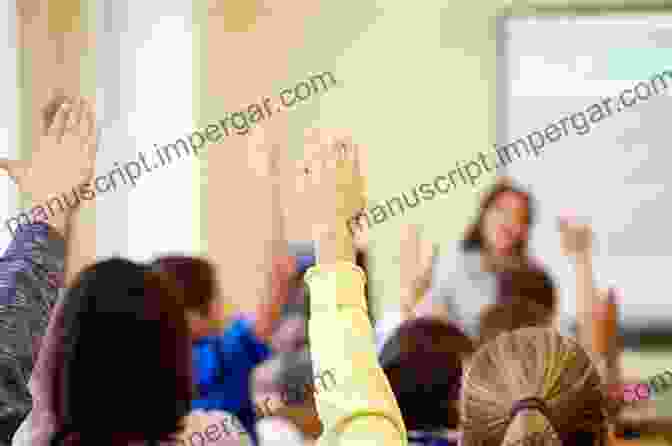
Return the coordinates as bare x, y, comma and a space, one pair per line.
64, 158
334, 192
263, 154
576, 238
415, 267
335, 185
265, 158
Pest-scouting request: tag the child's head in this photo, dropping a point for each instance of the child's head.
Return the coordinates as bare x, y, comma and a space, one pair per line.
532, 383
530, 282
423, 363
197, 280
526, 298
123, 328
517, 312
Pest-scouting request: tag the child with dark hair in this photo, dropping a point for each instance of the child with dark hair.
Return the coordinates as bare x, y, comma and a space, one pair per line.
423, 363
226, 349
526, 298
123, 327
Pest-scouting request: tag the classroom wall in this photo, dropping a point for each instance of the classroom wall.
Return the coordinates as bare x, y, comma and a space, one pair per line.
436, 59
416, 88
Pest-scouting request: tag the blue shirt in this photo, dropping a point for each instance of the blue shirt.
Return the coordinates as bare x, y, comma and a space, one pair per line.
222, 368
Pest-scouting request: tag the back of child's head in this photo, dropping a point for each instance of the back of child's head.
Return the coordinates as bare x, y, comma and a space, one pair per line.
196, 277
526, 298
423, 363
124, 335
530, 282
532, 386
517, 312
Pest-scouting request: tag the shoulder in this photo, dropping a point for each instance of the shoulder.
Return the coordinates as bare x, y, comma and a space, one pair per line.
240, 336
454, 259
239, 327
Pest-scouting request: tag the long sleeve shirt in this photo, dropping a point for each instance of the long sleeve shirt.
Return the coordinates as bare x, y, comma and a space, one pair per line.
31, 272
223, 365
360, 408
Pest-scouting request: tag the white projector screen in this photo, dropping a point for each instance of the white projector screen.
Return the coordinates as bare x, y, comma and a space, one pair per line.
616, 175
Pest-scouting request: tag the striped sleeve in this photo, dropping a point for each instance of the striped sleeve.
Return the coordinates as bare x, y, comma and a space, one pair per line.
30, 272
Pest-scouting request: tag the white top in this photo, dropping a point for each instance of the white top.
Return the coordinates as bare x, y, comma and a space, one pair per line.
459, 283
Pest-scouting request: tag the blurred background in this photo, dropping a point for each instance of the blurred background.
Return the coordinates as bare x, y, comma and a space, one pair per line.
421, 84
554, 64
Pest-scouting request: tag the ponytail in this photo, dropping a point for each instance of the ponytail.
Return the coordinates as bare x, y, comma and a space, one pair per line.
530, 425
533, 387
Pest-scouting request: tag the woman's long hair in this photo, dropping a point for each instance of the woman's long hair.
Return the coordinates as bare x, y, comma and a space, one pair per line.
532, 384
473, 240
126, 352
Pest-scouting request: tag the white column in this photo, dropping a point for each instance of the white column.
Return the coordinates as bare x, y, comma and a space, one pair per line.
148, 100
9, 123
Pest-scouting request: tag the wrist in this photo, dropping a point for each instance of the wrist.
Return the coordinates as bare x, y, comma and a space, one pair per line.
407, 310
54, 212
60, 227
334, 243
339, 284
408, 295
581, 258
58, 223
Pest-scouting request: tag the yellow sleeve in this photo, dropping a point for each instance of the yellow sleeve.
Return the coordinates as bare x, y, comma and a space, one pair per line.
359, 407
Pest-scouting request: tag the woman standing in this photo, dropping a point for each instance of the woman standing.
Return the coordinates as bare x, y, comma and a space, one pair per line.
492, 260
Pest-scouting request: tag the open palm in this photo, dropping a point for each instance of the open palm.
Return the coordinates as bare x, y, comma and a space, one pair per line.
335, 186
64, 158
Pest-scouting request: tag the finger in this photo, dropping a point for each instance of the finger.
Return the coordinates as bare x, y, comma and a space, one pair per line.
346, 146
311, 144
50, 110
351, 154
258, 152
329, 150
356, 160
91, 121
342, 151
10, 166
337, 145
278, 160
74, 117
58, 125
318, 169
6, 164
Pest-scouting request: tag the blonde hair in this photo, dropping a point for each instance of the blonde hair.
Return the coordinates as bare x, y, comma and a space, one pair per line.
531, 363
